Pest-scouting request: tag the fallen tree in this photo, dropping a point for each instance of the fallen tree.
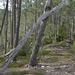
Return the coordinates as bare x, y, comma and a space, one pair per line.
7, 53
21, 43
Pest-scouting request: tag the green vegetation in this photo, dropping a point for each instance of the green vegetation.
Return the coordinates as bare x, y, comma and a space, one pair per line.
38, 74
16, 64
47, 52
2, 61
53, 60
68, 56
16, 73
72, 48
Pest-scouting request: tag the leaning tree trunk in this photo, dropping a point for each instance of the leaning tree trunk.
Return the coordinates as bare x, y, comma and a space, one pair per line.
40, 35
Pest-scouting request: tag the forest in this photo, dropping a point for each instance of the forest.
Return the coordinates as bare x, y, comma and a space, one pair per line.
37, 37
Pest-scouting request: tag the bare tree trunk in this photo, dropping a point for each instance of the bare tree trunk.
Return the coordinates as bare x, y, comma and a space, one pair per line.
14, 16
1, 43
55, 27
40, 35
6, 24
25, 21
11, 30
35, 17
18, 24
4, 18
73, 23
59, 19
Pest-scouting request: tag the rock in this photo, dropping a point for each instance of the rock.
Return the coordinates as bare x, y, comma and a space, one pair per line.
48, 71
42, 66
74, 72
66, 73
71, 70
46, 58
64, 66
58, 68
47, 66
37, 58
35, 67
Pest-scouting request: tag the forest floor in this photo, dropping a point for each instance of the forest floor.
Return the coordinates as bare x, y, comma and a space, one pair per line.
53, 61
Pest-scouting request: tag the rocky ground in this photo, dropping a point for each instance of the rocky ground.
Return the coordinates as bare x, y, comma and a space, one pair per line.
63, 66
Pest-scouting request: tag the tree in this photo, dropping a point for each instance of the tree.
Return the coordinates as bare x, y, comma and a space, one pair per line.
6, 24
3, 18
18, 24
40, 35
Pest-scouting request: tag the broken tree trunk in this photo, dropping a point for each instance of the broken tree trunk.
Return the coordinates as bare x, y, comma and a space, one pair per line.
21, 43
40, 35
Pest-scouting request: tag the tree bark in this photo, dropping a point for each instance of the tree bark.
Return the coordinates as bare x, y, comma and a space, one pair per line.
4, 18
6, 24
40, 35
25, 22
35, 17
11, 27
18, 24
14, 16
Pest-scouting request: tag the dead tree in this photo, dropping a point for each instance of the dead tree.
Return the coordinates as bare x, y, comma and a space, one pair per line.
40, 35
24, 39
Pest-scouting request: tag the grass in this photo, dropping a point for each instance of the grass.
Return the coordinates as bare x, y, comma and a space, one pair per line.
68, 56
22, 61
2, 61
47, 52
16, 73
16, 64
53, 60
38, 74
